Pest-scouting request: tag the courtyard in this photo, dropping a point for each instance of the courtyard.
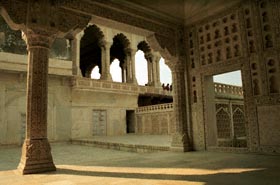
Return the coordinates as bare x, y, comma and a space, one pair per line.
81, 165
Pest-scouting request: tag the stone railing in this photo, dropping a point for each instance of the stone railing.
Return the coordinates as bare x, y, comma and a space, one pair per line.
100, 85
155, 108
228, 89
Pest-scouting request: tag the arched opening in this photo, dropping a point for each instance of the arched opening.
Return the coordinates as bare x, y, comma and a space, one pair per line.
121, 50
143, 64
95, 73
224, 99
141, 68
116, 71
165, 74
90, 51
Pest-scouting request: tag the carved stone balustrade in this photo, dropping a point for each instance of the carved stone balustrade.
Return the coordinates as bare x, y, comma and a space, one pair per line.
155, 108
225, 90
79, 83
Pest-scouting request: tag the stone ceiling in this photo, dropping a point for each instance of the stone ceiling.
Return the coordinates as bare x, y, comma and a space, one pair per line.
186, 11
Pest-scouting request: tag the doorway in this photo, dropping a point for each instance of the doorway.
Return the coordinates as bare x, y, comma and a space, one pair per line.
99, 123
225, 112
130, 121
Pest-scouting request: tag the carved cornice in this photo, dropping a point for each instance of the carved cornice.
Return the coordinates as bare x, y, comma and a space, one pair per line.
143, 12
176, 66
38, 38
107, 10
164, 32
68, 15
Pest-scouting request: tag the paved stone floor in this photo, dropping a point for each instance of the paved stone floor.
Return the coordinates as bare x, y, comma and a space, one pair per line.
82, 165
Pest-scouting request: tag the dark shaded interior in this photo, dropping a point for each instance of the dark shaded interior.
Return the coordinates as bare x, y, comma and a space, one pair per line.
90, 50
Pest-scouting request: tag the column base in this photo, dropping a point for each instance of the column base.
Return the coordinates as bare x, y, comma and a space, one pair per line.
36, 157
180, 143
106, 78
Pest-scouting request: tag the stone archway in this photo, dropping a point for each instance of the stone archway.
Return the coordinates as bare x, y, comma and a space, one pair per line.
120, 50
90, 50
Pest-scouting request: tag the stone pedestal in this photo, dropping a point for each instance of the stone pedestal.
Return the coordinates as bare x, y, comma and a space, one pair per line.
36, 157
36, 152
180, 143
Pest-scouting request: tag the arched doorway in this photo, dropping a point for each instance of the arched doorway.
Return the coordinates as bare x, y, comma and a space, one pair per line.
90, 51
141, 68
116, 71
165, 74
143, 64
121, 50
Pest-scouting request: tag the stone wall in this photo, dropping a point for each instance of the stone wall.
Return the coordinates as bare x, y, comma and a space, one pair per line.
241, 38
13, 108
70, 111
114, 106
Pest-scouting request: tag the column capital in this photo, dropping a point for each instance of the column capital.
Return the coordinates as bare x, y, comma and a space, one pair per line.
38, 38
149, 56
105, 44
176, 66
79, 35
132, 51
156, 56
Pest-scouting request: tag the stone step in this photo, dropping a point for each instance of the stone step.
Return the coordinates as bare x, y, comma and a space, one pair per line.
121, 146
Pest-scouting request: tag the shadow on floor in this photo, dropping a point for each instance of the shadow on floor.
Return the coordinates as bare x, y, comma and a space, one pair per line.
212, 179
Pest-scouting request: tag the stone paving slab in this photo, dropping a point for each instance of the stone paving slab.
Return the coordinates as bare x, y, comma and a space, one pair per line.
83, 165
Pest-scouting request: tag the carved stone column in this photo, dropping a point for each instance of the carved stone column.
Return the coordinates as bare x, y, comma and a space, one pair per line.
36, 152
131, 67
105, 59
41, 21
76, 54
156, 71
181, 138
149, 59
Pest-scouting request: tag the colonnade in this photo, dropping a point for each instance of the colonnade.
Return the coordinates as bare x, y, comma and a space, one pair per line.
128, 70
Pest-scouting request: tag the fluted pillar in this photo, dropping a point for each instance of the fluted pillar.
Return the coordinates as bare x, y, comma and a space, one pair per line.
76, 70
36, 152
181, 138
105, 59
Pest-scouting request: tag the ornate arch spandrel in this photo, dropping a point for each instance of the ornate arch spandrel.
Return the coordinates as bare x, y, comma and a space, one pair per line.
159, 47
17, 18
